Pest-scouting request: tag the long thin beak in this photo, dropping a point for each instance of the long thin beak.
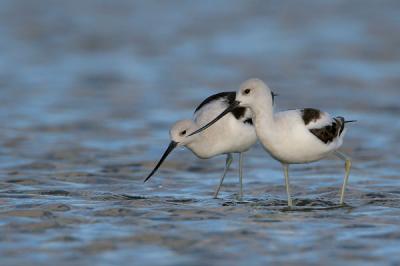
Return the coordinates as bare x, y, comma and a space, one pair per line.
227, 110
171, 146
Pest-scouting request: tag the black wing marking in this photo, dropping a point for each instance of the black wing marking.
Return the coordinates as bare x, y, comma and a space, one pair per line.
238, 112
248, 121
342, 122
229, 98
330, 132
310, 114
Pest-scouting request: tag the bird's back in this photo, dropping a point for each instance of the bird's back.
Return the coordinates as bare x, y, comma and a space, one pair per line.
233, 133
293, 141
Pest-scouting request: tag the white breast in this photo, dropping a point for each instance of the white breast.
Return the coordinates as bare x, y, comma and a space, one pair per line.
290, 140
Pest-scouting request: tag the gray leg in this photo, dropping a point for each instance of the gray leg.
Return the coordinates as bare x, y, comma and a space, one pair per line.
241, 175
286, 171
227, 164
347, 166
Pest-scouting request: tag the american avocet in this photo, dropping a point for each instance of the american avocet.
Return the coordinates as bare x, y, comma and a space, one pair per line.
234, 134
291, 137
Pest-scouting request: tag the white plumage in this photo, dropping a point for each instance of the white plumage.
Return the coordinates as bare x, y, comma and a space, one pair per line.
234, 134
290, 140
291, 137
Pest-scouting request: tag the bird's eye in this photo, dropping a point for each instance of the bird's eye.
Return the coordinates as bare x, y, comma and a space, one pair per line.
246, 91
183, 133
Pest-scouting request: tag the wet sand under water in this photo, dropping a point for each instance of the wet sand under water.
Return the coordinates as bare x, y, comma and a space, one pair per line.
87, 97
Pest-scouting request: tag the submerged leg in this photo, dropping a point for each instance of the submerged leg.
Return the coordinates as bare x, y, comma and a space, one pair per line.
227, 164
347, 166
241, 175
286, 171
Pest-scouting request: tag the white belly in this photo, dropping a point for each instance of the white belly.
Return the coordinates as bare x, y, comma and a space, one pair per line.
291, 142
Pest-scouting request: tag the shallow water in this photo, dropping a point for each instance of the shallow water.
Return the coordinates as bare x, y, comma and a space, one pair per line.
89, 90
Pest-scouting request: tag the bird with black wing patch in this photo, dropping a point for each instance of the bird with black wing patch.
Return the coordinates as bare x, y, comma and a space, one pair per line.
234, 134
293, 136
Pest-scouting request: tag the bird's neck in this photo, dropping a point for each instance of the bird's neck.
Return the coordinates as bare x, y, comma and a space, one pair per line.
266, 125
263, 115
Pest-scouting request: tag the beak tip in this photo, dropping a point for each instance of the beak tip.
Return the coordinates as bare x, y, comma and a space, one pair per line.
171, 146
147, 178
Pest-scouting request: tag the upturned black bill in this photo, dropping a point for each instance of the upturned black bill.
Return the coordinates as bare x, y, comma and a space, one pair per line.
172, 145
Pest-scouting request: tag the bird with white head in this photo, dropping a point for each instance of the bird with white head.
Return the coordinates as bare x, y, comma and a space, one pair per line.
234, 134
293, 136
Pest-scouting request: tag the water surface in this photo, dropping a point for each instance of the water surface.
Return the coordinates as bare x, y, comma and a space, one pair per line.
89, 91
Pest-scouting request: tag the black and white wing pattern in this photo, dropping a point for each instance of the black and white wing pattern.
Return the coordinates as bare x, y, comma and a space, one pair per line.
321, 125
240, 113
